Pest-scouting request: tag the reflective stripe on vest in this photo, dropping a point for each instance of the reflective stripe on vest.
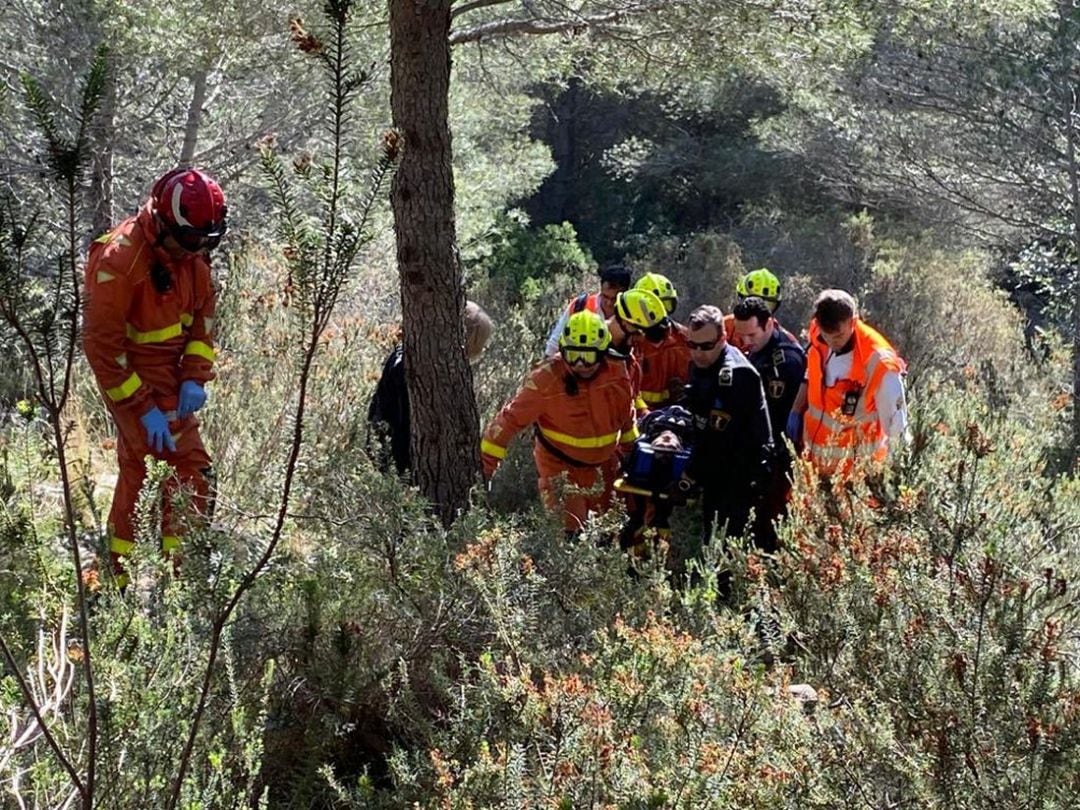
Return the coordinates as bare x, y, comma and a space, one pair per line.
156, 335
588, 442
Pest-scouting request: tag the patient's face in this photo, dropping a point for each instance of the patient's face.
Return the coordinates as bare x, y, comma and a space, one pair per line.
667, 441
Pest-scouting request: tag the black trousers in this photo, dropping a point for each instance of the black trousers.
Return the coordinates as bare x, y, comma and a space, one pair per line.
725, 509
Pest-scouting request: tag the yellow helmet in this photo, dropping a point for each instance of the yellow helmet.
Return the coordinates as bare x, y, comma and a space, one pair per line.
585, 330
661, 287
640, 308
761, 283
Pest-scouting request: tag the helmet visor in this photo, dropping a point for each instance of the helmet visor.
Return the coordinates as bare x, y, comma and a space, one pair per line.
195, 240
586, 357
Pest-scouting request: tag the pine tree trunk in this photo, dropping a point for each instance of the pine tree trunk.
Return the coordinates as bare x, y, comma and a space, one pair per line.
194, 117
1070, 116
445, 425
103, 134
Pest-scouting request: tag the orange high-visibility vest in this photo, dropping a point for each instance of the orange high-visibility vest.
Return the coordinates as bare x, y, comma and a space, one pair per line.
841, 422
585, 301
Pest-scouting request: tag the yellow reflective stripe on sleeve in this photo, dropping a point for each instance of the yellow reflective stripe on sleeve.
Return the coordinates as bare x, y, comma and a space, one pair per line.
629, 435
157, 335
170, 542
200, 349
582, 441
639, 404
654, 396
118, 545
492, 449
106, 238
125, 389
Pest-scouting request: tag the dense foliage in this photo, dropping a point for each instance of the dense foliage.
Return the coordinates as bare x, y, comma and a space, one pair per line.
327, 642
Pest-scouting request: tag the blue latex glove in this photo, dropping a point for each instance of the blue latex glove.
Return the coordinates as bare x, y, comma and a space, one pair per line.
157, 431
793, 429
192, 397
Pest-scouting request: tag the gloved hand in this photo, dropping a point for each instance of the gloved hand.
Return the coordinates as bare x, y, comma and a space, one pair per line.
490, 463
192, 397
158, 436
793, 429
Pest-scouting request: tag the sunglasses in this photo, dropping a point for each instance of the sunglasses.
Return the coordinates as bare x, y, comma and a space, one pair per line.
706, 346
584, 357
194, 240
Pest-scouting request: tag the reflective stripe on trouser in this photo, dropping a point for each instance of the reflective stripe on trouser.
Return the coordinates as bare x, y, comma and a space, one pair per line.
191, 463
569, 489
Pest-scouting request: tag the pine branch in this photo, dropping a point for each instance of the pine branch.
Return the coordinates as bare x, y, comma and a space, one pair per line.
92, 94
540, 27
465, 8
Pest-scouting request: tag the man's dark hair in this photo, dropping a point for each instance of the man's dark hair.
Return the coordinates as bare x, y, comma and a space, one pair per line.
753, 307
616, 273
832, 308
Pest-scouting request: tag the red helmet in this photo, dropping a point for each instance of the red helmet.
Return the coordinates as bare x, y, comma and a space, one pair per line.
192, 206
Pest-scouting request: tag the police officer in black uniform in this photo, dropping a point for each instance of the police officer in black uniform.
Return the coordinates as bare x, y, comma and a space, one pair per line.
733, 435
781, 362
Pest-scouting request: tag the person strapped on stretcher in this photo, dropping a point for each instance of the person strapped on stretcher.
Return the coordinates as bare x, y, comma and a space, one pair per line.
653, 477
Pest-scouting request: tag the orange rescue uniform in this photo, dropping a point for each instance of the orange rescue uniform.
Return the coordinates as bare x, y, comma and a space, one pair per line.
665, 366
141, 344
579, 426
841, 422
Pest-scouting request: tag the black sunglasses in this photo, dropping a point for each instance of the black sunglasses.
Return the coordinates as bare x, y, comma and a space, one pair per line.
706, 346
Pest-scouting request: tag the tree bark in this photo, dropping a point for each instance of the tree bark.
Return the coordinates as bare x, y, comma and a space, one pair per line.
103, 135
445, 439
1070, 113
194, 117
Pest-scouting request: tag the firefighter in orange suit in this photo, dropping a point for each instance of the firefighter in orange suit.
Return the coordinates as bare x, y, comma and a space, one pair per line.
147, 333
853, 402
662, 350
581, 406
635, 312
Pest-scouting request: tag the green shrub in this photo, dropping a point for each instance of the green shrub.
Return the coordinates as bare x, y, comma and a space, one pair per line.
522, 258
